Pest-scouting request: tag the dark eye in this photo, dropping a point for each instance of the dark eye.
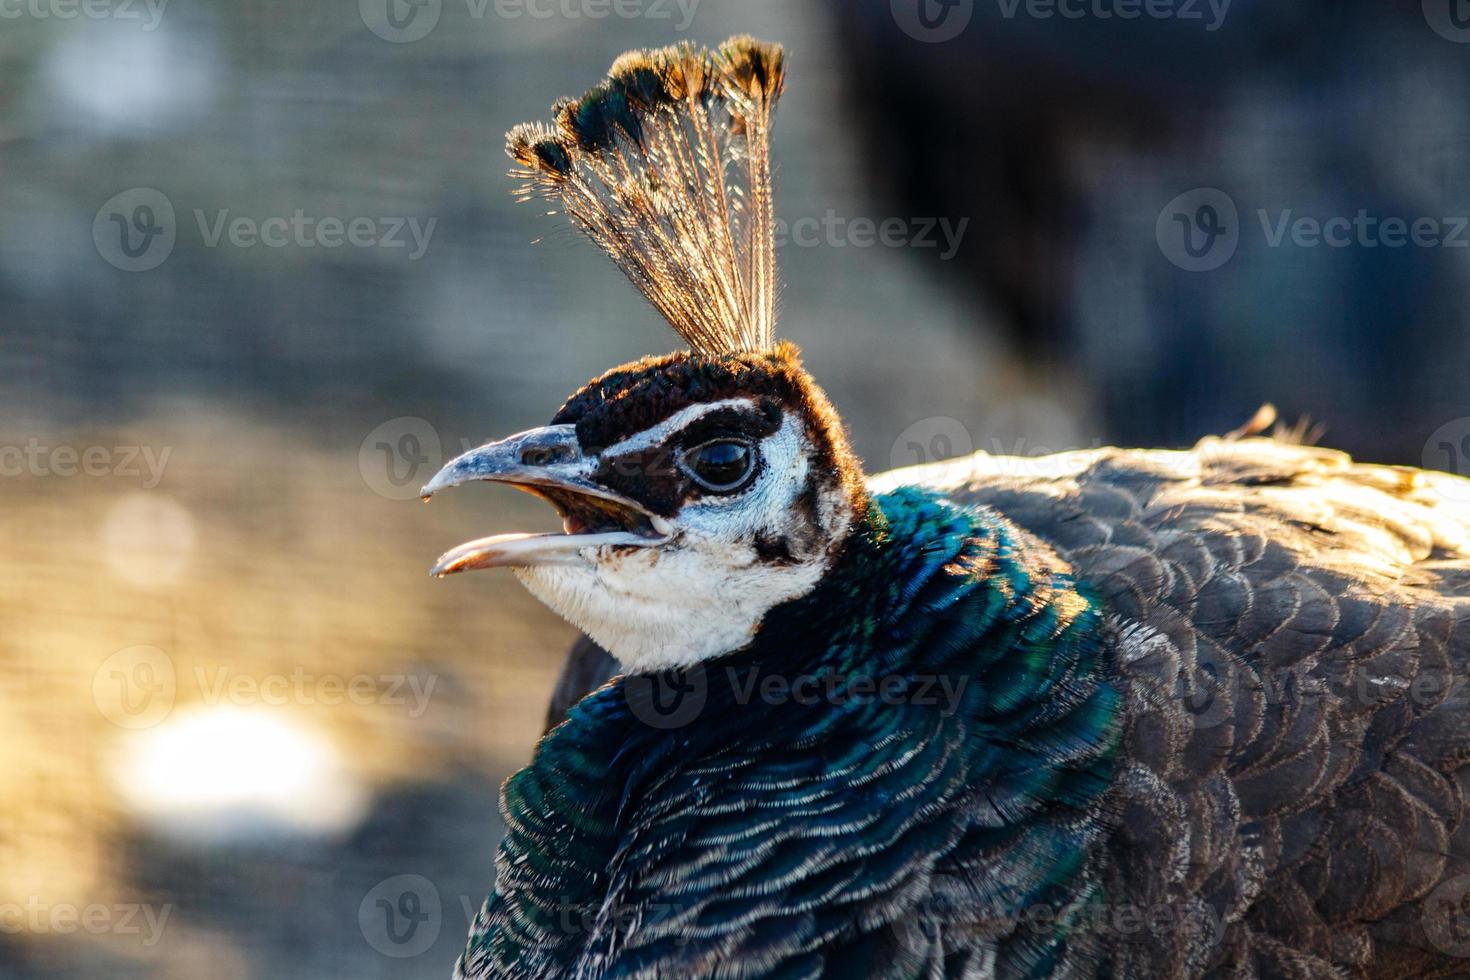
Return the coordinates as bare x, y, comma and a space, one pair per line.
720, 466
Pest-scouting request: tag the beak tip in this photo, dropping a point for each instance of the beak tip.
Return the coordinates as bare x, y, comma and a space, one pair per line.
448, 565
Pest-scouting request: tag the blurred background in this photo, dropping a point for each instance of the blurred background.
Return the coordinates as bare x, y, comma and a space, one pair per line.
261, 273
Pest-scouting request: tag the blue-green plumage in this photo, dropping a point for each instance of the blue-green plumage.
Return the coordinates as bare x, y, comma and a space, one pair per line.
934, 721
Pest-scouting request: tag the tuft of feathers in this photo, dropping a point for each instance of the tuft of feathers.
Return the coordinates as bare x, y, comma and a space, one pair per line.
666, 166
1302, 432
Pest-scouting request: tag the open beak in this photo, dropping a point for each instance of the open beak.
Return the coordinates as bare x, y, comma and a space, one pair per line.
549, 463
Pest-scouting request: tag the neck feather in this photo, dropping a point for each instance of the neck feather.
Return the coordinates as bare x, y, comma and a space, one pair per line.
1001, 758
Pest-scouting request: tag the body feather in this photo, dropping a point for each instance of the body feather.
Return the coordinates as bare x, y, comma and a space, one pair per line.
1288, 633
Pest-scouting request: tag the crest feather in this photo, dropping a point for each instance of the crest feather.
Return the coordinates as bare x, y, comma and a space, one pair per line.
666, 166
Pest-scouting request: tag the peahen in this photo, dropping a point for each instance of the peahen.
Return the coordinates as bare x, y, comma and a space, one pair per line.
1109, 713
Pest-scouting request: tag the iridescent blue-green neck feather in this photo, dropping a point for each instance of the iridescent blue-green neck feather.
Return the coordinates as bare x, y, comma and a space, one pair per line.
902, 768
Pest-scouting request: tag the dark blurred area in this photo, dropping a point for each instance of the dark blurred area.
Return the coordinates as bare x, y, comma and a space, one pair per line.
1066, 134
261, 273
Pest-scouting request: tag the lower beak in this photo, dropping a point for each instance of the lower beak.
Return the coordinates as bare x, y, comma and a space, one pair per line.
548, 462
531, 550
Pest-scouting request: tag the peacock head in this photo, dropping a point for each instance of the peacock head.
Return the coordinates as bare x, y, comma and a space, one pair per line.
697, 492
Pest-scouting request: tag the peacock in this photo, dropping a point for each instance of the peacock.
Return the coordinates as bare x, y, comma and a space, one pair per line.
1106, 713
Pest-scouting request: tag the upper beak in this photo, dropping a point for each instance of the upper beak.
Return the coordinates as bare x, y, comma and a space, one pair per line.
549, 456
549, 459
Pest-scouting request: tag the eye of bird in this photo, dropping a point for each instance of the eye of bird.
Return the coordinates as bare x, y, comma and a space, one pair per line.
721, 466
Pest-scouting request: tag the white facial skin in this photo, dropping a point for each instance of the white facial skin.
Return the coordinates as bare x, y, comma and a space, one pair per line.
705, 590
